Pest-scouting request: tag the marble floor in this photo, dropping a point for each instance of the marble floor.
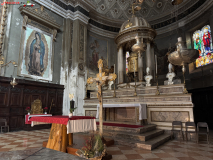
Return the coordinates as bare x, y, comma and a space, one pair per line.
28, 145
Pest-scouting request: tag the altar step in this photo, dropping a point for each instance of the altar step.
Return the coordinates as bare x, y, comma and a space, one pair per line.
134, 136
146, 137
143, 129
148, 145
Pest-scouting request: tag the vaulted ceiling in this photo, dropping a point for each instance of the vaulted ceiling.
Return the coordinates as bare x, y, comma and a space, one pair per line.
121, 9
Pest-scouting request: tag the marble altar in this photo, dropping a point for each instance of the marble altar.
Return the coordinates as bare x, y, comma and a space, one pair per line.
170, 105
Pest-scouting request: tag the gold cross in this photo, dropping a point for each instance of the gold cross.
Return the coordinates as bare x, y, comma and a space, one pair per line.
100, 80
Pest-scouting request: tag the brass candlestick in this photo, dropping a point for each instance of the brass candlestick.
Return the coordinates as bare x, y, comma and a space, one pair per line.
184, 70
114, 95
86, 91
157, 92
135, 94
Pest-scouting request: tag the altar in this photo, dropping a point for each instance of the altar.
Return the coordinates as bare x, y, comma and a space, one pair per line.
63, 127
170, 105
123, 112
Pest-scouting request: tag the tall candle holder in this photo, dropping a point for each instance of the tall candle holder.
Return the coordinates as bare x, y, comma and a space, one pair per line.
135, 94
157, 92
86, 91
114, 95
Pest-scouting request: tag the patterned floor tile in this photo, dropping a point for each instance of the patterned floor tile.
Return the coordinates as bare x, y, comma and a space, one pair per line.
26, 143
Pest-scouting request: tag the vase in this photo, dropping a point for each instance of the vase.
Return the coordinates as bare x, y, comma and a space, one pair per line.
70, 115
45, 112
28, 113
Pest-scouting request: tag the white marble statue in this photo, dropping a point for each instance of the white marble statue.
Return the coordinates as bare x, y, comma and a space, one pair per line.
110, 84
148, 77
170, 75
147, 71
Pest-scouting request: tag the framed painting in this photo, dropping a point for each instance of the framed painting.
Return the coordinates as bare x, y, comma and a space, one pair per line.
37, 54
97, 49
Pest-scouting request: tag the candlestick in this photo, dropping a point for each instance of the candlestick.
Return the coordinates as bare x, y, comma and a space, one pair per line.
156, 64
114, 68
134, 67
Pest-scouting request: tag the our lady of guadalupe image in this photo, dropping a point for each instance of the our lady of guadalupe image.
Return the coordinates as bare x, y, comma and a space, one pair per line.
37, 51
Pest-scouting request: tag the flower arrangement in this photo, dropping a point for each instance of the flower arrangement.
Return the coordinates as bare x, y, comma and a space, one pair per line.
94, 148
28, 109
45, 109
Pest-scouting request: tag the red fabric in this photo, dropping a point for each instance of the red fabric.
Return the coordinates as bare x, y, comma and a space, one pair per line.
120, 125
59, 119
27, 116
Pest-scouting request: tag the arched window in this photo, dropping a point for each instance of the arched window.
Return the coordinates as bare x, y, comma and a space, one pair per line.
203, 43
127, 55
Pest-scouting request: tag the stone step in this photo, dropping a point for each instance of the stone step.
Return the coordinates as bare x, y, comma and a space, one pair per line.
148, 145
133, 136
146, 128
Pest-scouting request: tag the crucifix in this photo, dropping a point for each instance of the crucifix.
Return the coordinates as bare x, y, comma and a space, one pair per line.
100, 80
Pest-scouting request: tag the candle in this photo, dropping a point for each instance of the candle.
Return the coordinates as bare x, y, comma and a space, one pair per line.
114, 68
156, 64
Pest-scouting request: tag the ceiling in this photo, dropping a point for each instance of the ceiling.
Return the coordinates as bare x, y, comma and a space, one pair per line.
121, 9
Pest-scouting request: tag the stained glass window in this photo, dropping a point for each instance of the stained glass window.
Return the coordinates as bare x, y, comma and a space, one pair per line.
203, 43
127, 55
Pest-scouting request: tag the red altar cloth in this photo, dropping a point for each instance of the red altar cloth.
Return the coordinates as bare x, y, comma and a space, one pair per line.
59, 119
28, 121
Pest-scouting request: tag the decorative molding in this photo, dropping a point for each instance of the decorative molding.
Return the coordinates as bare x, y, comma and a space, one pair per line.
101, 32
3, 24
40, 15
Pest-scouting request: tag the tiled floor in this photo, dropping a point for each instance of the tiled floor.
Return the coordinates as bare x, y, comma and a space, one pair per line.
31, 141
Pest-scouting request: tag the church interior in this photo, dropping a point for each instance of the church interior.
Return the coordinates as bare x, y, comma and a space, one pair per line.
106, 79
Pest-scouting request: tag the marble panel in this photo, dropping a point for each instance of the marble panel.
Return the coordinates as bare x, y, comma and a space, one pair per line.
169, 116
125, 114
91, 113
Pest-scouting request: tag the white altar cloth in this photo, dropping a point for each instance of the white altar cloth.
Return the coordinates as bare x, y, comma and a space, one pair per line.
142, 109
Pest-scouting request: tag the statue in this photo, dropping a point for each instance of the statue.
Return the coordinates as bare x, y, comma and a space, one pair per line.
148, 77
170, 75
110, 85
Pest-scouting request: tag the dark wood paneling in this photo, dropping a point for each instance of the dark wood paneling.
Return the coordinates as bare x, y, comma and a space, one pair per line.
3, 99
13, 101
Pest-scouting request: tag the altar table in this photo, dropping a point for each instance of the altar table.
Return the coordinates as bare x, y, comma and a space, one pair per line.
63, 127
142, 109
27, 117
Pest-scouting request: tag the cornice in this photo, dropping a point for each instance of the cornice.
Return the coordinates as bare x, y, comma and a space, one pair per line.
101, 32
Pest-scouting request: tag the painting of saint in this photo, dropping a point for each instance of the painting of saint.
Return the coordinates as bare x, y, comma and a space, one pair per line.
95, 54
97, 49
37, 52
